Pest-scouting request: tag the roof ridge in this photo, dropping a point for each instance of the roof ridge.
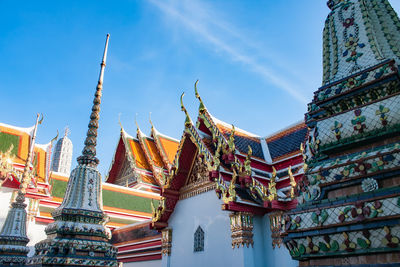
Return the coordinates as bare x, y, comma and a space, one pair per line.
287, 128
28, 130
237, 129
125, 134
43, 146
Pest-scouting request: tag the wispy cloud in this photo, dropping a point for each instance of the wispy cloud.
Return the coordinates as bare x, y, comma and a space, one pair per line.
211, 28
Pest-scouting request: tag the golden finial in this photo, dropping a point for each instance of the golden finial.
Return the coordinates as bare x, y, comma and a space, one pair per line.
138, 131
272, 186
187, 121
247, 162
136, 123
249, 151
56, 137
201, 106
151, 123
273, 174
292, 182
231, 141
41, 120
119, 122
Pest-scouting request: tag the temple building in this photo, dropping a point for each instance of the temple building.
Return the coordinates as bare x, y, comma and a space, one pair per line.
222, 201
141, 163
349, 197
321, 192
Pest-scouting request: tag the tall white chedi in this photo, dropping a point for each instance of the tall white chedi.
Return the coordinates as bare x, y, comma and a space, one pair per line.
63, 155
78, 236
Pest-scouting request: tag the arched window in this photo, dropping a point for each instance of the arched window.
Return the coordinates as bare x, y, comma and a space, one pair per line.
198, 240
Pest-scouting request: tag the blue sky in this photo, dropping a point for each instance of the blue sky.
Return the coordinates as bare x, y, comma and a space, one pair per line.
258, 63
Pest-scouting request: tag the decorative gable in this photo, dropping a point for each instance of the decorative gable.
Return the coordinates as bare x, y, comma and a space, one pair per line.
125, 174
198, 181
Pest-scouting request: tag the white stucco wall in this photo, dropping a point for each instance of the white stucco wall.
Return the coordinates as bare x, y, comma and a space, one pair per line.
279, 257
205, 210
154, 263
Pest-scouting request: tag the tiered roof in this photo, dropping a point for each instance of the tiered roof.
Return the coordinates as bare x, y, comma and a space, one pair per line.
248, 172
49, 187
143, 161
19, 138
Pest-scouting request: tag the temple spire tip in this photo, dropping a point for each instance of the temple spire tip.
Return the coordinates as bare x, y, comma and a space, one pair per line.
89, 151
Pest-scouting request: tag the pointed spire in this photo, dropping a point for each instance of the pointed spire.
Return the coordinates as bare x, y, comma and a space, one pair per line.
66, 131
79, 222
89, 151
13, 238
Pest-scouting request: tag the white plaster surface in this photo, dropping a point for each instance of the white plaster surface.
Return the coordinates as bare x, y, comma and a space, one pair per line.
205, 210
279, 257
154, 263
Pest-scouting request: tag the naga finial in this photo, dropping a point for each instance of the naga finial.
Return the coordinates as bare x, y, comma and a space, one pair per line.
249, 151
56, 137
201, 106
187, 121
292, 182
119, 122
231, 141
138, 131
247, 162
151, 123
273, 174
272, 186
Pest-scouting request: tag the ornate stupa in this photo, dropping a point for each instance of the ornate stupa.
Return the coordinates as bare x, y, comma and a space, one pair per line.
78, 236
350, 193
13, 238
63, 155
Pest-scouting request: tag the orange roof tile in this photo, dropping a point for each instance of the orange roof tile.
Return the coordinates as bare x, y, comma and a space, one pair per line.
153, 152
170, 147
21, 141
138, 154
40, 165
22, 146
